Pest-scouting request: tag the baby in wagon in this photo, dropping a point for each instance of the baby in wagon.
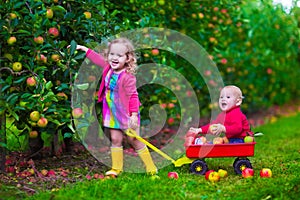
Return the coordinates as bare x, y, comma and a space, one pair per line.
231, 121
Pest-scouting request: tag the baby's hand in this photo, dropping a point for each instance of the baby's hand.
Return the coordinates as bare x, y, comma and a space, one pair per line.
217, 129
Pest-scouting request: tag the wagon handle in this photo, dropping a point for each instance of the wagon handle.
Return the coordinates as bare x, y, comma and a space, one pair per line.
132, 133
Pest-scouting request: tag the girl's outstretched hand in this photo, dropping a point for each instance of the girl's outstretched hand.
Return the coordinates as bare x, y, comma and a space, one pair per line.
80, 47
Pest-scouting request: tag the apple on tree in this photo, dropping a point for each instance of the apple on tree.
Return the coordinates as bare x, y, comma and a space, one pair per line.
49, 13
30, 81
87, 15
55, 57
17, 66
155, 52
34, 116
33, 134
12, 15
77, 113
53, 32
11, 40
39, 40
42, 122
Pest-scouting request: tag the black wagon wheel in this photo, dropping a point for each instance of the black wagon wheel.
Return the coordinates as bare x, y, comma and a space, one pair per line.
198, 167
240, 164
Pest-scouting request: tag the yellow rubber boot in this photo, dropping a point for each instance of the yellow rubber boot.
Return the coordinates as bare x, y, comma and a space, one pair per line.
147, 159
116, 161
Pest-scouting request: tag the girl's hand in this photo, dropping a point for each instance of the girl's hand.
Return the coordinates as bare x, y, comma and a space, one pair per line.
80, 47
133, 121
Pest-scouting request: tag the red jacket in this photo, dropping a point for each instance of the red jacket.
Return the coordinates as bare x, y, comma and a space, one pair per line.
235, 122
128, 93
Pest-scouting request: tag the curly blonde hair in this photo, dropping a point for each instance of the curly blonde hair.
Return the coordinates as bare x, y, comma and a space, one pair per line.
131, 65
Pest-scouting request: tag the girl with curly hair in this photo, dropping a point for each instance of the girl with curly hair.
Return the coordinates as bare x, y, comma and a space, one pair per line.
120, 99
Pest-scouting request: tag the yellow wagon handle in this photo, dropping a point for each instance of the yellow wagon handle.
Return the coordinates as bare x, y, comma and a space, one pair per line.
132, 133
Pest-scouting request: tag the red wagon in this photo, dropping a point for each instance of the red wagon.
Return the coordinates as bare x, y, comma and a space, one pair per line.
197, 153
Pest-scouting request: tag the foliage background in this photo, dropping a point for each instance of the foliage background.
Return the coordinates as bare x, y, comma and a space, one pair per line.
254, 45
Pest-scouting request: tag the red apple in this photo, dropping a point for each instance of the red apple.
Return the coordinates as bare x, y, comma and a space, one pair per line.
173, 175
11, 40
265, 173
41, 58
33, 134
31, 81
77, 112
49, 13
207, 173
248, 139
51, 172
39, 40
247, 173
171, 121
42, 122
34, 116
53, 31
155, 52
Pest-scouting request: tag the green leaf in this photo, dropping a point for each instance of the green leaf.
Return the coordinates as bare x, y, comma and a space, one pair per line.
73, 47
20, 80
11, 99
82, 86
5, 87
49, 85
24, 31
68, 135
59, 9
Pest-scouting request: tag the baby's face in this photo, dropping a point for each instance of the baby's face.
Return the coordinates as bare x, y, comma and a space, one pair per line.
228, 99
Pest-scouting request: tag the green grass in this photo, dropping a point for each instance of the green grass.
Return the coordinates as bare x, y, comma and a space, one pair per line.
278, 150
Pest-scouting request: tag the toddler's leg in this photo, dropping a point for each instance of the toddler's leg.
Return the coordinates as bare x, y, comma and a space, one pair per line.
144, 154
147, 159
116, 161
116, 153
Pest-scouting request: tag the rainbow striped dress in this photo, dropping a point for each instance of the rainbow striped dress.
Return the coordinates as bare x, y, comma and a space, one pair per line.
114, 113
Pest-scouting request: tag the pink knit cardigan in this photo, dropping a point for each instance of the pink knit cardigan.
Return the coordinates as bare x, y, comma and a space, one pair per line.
127, 83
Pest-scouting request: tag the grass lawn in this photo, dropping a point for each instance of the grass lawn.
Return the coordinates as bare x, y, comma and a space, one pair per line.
278, 149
